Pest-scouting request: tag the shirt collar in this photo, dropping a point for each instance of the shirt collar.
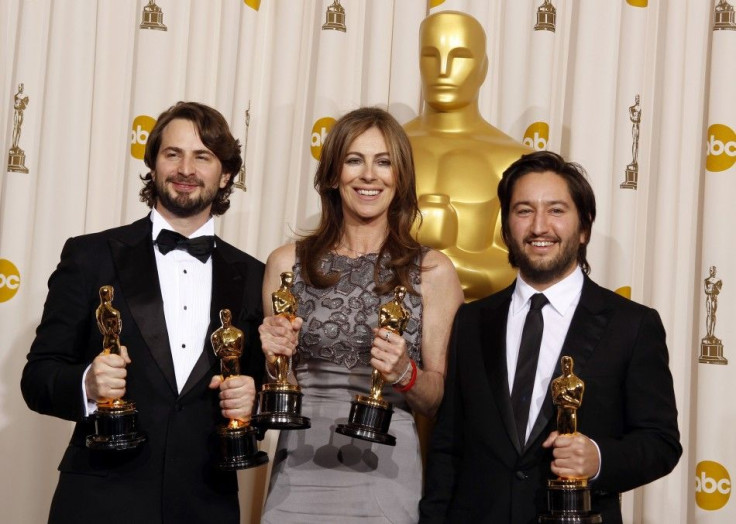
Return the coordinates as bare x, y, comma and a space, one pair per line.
561, 296
159, 223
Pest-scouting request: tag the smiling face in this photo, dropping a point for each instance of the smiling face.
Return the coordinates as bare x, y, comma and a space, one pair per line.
187, 174
544, 233
453, 61
367, 181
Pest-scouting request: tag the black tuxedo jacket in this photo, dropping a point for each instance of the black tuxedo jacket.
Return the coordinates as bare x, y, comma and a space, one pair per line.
476, 471
170, 478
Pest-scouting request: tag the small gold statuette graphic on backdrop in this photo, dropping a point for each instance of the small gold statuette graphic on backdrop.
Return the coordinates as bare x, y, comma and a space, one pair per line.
546, 17
335, 17
568, 499
237, 438
242, 174
280, 402
116, 419
16, 156
711, 347
725, 18
153, 17
632, 170
370, 415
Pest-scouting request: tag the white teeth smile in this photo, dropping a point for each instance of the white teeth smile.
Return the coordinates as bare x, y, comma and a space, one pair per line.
539, 243
368, 192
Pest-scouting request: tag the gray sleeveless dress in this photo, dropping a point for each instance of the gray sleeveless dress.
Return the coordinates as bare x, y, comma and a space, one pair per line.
324, 477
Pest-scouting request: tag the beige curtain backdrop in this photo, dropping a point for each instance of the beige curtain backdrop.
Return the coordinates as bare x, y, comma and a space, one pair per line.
564, 75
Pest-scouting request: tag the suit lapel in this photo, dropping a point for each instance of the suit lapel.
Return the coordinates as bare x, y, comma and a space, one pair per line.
227, 293
494, 356
586, 329
135, 263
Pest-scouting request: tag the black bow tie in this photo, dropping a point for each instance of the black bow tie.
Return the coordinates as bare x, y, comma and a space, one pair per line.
199, 247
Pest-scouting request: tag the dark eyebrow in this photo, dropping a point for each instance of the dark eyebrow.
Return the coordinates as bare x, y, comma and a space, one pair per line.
546, 203
180, 150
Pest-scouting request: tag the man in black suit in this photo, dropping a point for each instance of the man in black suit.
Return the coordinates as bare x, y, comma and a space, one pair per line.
481, 468
169, 302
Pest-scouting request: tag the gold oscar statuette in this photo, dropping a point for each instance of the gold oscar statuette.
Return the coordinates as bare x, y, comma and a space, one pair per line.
568, 499
152, 17
237, 438
280, 402
335, 17
116, 419
711, 347
370, 415
16, 156
632, 170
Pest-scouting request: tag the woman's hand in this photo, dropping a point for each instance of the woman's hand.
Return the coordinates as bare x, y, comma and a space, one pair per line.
389, 355
279, 336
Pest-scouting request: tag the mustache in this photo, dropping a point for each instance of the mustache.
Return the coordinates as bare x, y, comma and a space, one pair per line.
181, 179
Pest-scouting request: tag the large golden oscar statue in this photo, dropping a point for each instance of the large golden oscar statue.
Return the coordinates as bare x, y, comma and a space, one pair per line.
459, 156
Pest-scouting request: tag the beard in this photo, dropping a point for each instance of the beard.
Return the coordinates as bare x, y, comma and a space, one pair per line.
184, 205
547, 270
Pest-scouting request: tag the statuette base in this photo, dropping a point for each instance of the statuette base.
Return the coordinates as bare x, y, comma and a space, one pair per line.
116, 428
711, 352
239, 449
568, 502
280, 407
369, 420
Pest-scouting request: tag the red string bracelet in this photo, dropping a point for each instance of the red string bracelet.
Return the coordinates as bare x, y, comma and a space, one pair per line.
412, 380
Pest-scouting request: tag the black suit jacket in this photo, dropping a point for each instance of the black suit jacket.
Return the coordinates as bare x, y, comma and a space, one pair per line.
476, 471
171, 477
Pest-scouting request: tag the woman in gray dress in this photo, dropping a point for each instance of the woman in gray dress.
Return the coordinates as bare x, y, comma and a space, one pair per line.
343, 272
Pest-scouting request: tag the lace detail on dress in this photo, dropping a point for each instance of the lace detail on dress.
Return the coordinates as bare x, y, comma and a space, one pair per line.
339, 320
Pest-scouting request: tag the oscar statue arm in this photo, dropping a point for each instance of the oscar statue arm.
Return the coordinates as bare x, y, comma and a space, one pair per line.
649, 444
51, 382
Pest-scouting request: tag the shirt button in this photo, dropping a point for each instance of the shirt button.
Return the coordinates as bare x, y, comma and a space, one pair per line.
521, 475
183, 345
185, 271
185, 308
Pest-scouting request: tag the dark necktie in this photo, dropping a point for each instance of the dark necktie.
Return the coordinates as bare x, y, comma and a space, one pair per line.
526, 365
199, 247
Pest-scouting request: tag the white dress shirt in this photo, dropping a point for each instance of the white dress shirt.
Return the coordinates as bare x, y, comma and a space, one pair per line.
563, 299
186, 289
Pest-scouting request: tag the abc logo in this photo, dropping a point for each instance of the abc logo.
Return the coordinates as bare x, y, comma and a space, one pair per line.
712, 485
319, 132
536, 136
9, 280
721, 146
142, 126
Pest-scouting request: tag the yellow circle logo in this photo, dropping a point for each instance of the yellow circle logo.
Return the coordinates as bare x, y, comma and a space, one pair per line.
9, 280
712, 485
319, 132
637, 3
721, 145
624, 291
536, 136
253, 4
435, 3
142, 126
